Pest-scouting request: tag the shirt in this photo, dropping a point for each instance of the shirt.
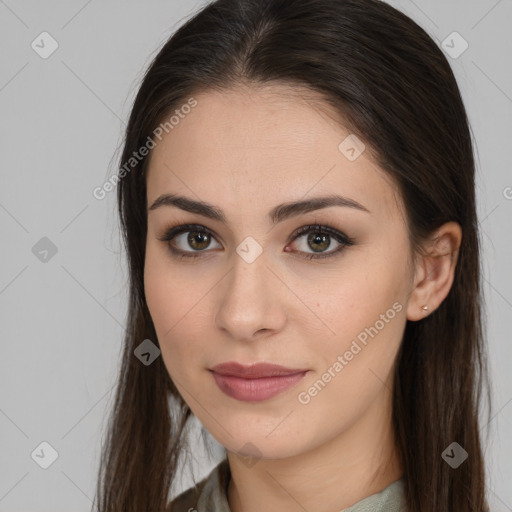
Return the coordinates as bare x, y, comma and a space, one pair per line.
210, 495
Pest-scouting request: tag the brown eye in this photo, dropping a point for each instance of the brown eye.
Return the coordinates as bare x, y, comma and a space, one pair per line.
198, 240
319, 242
319, 239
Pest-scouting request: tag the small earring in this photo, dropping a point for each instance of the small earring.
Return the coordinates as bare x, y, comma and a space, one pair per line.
425, 308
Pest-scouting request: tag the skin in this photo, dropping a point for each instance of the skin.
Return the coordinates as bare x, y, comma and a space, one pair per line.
246, 150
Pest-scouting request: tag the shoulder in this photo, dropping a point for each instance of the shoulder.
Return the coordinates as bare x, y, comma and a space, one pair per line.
209, 494
187, 500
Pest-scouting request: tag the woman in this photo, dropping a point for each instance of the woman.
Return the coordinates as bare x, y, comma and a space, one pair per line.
297, 201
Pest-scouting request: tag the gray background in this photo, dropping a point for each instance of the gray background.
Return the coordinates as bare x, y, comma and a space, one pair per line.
62, 319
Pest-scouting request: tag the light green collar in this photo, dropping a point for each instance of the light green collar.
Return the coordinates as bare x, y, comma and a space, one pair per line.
210, 495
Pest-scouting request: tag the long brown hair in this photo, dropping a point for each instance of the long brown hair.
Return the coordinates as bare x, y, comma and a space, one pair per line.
396, 91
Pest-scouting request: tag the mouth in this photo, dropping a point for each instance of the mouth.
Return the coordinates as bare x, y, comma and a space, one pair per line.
255, 382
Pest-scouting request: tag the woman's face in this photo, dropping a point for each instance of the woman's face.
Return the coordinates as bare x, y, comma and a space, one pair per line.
250, 290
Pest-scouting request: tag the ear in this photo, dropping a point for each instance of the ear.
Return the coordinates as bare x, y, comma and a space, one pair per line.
434, 271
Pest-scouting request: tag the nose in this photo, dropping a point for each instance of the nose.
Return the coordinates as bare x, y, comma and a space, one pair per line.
251, 300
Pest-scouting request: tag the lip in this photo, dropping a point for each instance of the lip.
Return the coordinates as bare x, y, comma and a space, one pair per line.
256, 382
255, 370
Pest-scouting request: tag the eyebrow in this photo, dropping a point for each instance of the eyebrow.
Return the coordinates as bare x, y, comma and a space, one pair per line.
278, 214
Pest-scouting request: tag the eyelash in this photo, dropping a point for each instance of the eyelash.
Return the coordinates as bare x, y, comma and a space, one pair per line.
340, 237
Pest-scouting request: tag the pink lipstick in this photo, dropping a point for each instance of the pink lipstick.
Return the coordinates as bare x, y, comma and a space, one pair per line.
256, 382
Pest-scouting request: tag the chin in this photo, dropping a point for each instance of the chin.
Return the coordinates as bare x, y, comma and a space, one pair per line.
259, 445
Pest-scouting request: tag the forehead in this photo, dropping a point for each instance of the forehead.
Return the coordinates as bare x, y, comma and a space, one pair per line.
264, 145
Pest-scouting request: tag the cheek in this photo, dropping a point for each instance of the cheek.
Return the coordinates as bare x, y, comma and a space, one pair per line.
157, 289
354, 364
351, 301
178, 308
169, 293
365, 312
